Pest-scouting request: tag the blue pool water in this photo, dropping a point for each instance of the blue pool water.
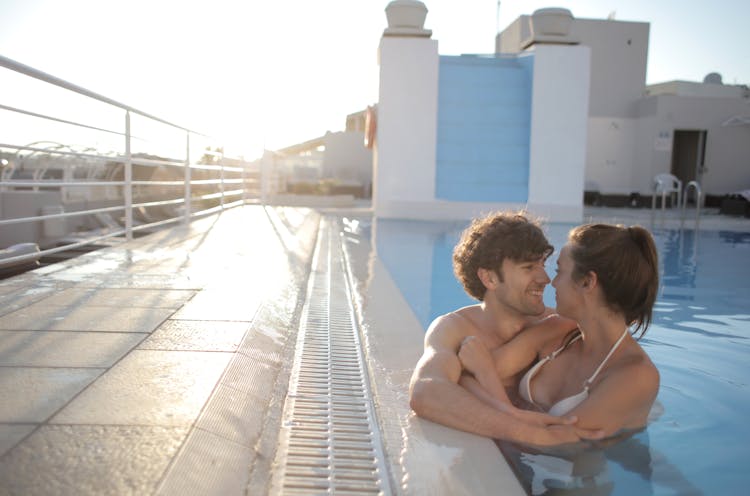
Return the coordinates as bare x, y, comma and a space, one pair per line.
699, 440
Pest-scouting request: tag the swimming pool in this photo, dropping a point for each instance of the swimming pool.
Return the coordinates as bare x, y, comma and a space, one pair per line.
697, 440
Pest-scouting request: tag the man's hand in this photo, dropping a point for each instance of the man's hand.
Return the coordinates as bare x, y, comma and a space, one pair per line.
590, 434
541, 419
559, 434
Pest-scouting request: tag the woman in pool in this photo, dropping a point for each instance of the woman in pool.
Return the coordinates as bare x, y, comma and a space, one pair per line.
584, 361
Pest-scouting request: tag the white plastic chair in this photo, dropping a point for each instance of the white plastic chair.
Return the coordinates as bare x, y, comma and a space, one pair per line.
667, 184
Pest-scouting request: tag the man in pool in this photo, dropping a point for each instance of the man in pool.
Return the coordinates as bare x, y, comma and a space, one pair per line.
500, 262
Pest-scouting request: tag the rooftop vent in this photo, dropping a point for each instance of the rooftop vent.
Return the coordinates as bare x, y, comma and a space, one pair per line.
406, 18
713, 78
550, 26
551, 22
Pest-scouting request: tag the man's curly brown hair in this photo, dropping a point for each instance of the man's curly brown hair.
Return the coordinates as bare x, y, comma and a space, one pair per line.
490, 240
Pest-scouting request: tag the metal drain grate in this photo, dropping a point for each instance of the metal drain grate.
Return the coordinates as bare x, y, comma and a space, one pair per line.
330, 443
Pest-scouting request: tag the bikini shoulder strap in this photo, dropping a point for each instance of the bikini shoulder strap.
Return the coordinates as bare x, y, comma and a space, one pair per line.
601, 365
569, 339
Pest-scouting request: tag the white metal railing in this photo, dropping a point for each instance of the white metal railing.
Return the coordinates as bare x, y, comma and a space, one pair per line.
660, 186
698, 195
218, 183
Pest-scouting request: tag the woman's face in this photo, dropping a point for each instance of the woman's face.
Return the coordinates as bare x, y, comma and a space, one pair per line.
567, 291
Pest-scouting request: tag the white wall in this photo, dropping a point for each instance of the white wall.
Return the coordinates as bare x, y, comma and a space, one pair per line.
727, 160
619, 51
611, 155
406, 139
648, 141
346, 158
652, 151
619, 54
510, 39
559, 126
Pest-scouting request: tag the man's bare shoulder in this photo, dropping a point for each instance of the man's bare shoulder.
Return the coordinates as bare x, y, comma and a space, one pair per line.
449, 329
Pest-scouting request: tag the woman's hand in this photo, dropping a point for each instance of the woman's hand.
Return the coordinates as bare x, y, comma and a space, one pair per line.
475, 357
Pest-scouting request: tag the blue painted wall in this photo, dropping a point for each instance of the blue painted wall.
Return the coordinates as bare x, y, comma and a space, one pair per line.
484, 124
429, 287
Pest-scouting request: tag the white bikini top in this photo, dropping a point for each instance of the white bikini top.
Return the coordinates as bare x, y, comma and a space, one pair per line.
565, 405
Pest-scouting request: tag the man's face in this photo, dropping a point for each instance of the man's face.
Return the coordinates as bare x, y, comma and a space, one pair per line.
522, 286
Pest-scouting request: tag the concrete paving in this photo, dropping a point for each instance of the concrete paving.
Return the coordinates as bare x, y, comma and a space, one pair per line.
149, 367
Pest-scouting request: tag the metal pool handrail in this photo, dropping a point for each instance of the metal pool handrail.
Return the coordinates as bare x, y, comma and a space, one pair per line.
659, 187
698, 195
238, 179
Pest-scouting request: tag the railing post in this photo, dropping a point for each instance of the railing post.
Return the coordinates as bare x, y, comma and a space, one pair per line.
221, 178
242, 178
188, 180
128, 188
698, 198
265, 173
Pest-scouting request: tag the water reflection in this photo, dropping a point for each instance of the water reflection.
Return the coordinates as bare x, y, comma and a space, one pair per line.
626, 462
679, 253
701, 275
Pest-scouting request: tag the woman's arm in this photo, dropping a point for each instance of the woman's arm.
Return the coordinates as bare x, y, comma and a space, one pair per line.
621, 400
485, 384
471, 384
531, 343
477, 359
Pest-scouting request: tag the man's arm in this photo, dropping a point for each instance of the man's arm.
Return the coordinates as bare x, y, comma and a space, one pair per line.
436, 395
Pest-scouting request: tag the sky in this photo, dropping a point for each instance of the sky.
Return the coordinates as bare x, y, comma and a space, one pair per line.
264, 74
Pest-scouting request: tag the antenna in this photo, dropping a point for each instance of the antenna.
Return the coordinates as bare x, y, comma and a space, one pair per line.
497, 18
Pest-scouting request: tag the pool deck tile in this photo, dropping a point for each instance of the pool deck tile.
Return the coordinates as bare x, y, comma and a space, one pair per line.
197, 335
228, 473
90, 460
33, 394
116, 297
123, 369
65, 349
224, 305
14, 297
40, 316
166, 388
11, 434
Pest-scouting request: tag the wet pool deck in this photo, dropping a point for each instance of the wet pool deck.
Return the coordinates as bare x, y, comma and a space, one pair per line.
161, 365
151, 366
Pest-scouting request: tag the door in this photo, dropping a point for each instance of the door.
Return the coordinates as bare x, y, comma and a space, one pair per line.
688, 156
